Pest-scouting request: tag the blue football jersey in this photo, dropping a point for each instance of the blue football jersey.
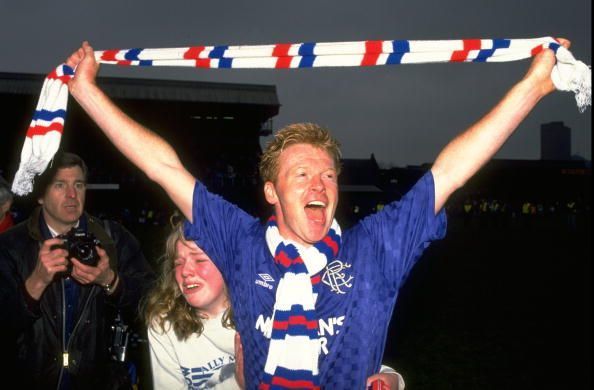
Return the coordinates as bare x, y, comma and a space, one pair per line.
359, 287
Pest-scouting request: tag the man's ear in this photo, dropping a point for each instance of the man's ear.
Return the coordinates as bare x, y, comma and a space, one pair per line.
270, 193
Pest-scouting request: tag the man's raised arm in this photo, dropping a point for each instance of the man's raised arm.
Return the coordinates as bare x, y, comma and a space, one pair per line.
470, 150
148, 151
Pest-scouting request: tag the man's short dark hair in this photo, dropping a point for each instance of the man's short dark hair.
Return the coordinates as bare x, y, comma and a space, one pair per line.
61, 160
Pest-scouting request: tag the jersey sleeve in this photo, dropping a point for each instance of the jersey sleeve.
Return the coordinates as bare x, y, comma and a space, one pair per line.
402, 231
217, 227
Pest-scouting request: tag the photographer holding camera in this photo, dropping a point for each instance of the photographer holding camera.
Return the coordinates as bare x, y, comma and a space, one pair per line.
72, 275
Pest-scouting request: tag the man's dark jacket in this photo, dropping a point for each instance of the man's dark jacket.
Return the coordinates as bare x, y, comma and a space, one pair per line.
33, 330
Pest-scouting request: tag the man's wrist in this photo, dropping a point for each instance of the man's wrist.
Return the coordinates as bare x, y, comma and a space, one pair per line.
532, 89
110, 286
35, 287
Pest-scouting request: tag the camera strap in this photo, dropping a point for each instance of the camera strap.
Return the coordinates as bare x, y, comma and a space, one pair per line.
120, 330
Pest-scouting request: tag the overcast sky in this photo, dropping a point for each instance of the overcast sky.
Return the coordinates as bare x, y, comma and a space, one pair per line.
404, 114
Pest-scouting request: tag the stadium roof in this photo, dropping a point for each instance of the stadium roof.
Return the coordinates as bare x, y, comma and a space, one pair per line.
151, 89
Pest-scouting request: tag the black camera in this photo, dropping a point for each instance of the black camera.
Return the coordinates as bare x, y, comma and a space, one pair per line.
80, 245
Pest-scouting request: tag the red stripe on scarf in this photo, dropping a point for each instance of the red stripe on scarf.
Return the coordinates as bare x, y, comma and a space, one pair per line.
294, 320
372, 52
281, 51
109, 55
462, 55
43, 130
283, 62
472, 44
283, 259
316, 279
286, 261
282, 325
202, 63
536, 50
53, 75
193, 53
293, 384
332, 244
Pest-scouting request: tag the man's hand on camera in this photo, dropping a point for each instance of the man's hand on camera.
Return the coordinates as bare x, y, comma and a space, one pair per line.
49, 263
86, 274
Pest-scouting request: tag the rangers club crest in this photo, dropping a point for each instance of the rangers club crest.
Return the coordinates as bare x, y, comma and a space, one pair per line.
336, 278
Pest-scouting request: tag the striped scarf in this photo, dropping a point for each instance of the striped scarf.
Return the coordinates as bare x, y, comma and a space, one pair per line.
292, 360
43, 136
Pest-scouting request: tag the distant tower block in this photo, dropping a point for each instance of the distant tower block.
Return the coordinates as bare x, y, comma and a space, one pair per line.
555, 141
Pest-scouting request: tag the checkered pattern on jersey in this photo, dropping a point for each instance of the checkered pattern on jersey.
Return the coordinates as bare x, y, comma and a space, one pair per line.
354, 308
356, 350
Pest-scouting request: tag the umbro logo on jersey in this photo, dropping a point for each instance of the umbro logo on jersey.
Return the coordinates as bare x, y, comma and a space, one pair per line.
264, 281
266, 277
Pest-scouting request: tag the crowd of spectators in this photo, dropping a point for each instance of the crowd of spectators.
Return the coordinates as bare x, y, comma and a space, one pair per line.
482, 210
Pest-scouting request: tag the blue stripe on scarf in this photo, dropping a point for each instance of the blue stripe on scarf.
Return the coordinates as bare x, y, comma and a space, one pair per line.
225, 63
294, 375
132, 54
67, 70
554, 46
296, 310
336, 238
290, 250
294, 330
307, 62
399, 47
307, 49
316, 288
483, 55
325, 249
501, 43
49, 116
292, 254
218, 51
